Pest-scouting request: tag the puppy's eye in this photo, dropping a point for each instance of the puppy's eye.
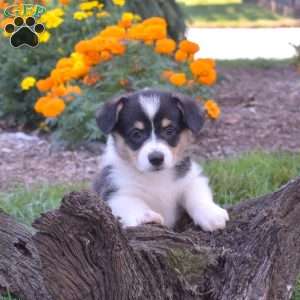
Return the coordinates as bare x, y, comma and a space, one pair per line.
169, 131
136, 134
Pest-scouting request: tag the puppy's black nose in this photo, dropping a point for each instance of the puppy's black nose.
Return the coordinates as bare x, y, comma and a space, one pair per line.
156, 158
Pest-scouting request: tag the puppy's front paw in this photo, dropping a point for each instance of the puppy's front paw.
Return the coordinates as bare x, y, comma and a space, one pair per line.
211, 217
145, 217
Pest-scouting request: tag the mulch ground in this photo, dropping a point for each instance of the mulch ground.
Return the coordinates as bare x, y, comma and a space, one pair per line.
260, 111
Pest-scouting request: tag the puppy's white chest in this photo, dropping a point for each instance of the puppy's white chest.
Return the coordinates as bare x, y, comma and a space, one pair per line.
161, 194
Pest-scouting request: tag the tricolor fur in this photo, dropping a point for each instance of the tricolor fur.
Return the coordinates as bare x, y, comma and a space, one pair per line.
146, 174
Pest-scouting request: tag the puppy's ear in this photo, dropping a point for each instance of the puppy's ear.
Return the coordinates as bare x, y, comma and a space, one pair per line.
192, 112
107, 114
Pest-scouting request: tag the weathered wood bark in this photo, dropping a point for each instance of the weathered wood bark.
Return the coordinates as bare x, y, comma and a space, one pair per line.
86, 255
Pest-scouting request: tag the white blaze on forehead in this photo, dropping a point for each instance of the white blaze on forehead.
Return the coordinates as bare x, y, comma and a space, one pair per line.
150, 105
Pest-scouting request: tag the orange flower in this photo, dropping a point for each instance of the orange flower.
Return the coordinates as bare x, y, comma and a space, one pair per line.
180, 56
58, 91
178, 79
91, 79
200, 65
64, 62
92, 57
212, 109
64, 2
105, 55
167, 74
136, 32
188, 47
44, 85
155, 32
40, 104
53, 108
208, 77
155, 21
165, 46
116, 48
113, 32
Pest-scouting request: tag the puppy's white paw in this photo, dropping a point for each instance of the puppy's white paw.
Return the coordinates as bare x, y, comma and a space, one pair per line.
211, 217
148, 216
151, 216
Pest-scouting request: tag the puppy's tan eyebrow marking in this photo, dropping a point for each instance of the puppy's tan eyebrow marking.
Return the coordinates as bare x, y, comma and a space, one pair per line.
139, 125
165, 122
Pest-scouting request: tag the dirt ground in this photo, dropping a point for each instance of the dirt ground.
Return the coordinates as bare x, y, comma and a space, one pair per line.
260, 110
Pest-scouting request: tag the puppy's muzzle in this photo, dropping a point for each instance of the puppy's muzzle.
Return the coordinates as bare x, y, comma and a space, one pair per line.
156, 159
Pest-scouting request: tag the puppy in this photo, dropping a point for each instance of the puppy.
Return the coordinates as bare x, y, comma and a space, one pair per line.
146, 174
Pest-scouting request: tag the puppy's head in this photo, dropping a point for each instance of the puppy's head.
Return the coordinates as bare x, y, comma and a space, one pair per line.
151, 128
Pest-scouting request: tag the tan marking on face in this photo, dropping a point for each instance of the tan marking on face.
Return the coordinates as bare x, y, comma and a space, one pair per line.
124, 151
139, 125
180, 151
165, 123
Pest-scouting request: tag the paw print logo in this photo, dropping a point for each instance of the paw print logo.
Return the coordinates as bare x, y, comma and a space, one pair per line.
24, 33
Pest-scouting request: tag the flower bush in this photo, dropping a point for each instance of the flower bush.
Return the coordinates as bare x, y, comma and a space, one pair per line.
63, 30
125, 54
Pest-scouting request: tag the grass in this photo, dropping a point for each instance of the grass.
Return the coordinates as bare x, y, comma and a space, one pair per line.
232, 13
232, 180
26, 204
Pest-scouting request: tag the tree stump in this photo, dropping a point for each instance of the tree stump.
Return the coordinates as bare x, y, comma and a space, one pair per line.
79, 251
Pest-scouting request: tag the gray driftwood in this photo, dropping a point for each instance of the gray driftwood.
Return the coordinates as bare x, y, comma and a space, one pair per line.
80, 252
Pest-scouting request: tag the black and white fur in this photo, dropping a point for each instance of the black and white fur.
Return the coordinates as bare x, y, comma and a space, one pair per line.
146, 175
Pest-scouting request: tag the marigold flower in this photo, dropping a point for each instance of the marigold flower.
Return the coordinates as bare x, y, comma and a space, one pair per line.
44, 37
57, 12
80, 15
201, 65
53, 108
155, 32
52, 18
102, 14
64, 2
73, 89
188, 47
40, 103
105, 55
165, 46
44, 85
126, 19
208, 77
113, 32
178, 79
167, 74
28, 82
212, 109
180, 56
119, 2
155, 21
136, 32
88, 5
